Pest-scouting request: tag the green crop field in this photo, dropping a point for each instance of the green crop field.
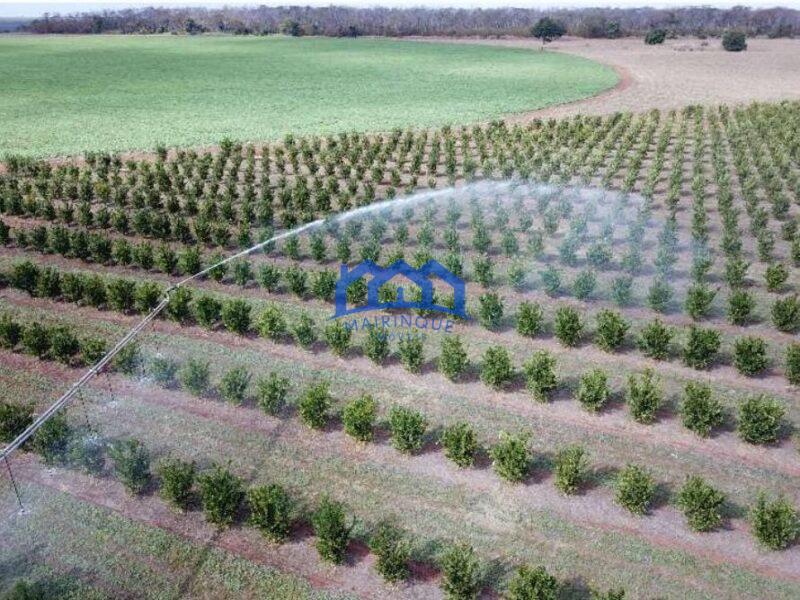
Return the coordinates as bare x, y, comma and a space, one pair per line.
67, 95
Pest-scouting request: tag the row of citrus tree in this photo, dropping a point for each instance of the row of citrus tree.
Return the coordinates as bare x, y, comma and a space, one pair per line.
760, 420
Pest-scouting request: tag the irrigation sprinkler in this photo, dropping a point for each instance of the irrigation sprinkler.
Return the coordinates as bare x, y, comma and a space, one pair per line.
494, 187
106, 359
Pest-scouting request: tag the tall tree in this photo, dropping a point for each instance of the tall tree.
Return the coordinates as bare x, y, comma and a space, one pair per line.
547, 30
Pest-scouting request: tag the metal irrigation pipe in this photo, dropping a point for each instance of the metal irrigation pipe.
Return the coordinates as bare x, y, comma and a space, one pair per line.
6, 452
75, 388
108, 357
132, 333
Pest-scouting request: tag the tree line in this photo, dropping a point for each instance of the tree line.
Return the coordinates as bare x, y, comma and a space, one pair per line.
340, 21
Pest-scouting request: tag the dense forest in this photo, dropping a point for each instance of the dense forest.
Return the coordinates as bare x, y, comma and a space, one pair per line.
344, 21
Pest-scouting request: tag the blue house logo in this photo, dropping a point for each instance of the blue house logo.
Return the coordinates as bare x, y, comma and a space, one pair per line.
421, 277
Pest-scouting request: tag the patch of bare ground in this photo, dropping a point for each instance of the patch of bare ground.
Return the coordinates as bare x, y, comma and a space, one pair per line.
668, 432
675, 74
596, 510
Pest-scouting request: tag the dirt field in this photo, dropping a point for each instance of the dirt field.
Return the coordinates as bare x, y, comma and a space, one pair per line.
681, 72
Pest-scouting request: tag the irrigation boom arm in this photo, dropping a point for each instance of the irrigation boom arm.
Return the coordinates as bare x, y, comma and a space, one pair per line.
75, 388
132, 333
101, 364
109, 356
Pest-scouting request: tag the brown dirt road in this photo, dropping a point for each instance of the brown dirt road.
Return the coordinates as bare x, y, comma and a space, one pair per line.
678, 73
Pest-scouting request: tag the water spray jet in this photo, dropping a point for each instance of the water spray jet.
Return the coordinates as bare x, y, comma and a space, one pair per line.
462, 193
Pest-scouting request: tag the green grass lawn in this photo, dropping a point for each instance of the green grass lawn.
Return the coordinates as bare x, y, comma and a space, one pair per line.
65, 95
